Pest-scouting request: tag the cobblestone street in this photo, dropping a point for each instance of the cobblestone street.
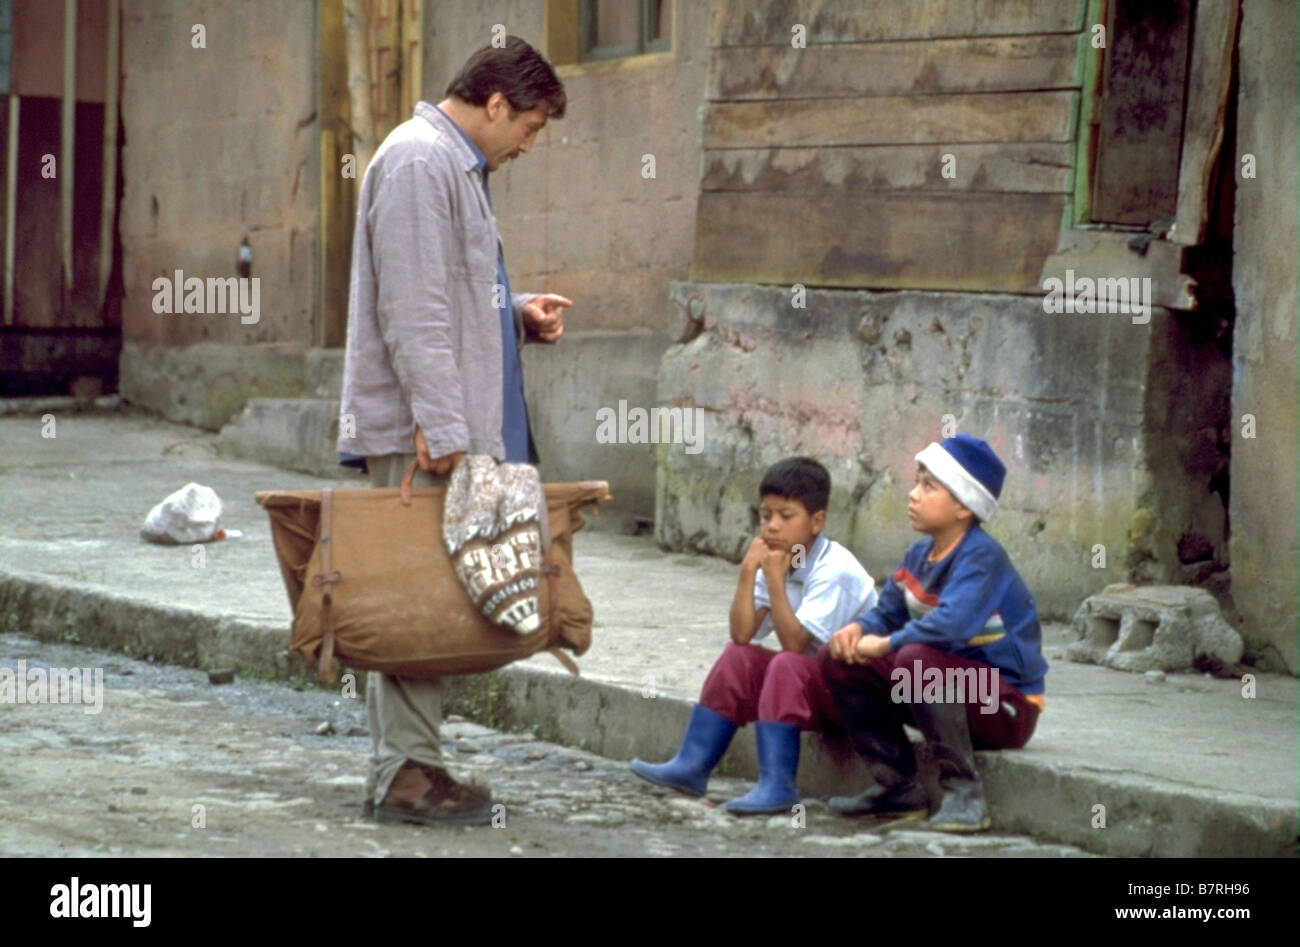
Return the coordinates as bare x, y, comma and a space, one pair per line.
126, 781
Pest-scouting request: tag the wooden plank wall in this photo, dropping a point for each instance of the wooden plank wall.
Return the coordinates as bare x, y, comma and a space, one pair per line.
370, 60
1209, 82
824, 165
1140, 132
337, 193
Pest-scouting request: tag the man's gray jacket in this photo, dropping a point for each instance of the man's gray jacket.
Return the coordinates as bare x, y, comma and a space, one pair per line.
424, 328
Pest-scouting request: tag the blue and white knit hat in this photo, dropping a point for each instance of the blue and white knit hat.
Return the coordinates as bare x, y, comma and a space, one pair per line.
968, 467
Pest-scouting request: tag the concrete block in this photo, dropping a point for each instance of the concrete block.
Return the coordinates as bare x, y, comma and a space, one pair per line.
209, 383
1164, 627
292, 433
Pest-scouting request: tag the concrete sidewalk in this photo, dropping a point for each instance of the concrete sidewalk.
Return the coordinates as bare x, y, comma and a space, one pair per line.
1183, 767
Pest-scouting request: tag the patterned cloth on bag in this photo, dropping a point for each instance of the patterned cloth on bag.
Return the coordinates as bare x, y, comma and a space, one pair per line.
492, 527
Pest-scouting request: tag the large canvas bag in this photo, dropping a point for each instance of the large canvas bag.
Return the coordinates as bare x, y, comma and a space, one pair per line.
370, 582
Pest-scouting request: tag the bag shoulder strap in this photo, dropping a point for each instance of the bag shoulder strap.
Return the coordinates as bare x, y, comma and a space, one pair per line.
569, 664
326, 669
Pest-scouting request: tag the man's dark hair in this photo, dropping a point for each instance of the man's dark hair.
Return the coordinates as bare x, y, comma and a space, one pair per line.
518, 71
798, 478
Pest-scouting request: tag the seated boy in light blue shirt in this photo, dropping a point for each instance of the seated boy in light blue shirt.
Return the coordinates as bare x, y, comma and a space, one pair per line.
800, 586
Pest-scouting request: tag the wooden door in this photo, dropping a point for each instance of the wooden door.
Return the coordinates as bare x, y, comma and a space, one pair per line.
61, 320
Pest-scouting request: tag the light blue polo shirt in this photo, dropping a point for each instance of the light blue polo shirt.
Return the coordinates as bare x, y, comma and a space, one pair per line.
826, 593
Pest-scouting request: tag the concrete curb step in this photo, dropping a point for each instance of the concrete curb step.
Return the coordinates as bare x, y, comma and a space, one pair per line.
289, 433
1144, 817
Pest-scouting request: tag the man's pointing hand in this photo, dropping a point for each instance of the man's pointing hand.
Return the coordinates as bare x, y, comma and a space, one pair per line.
544, 316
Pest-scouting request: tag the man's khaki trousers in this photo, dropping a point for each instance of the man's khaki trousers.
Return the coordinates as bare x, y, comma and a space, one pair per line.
403, 714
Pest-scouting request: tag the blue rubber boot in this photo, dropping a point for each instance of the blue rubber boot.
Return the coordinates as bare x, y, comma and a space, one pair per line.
778, 761
706, 738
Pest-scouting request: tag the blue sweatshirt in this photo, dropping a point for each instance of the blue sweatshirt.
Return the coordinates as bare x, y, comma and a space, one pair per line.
972, 603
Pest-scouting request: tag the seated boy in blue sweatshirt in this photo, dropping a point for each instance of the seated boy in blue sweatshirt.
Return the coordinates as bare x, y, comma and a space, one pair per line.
953, 647
799, 587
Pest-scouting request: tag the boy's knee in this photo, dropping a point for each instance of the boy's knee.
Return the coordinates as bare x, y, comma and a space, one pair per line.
787, 664
741, 655
926, 654
833, 671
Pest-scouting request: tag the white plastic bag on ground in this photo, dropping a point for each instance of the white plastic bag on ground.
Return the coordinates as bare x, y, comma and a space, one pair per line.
187, 516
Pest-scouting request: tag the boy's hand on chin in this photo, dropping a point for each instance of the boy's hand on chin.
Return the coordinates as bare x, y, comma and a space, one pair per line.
754, 555
776, 562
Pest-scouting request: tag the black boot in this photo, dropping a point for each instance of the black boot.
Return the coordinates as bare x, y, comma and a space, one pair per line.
895, 791
875, 725
892, 794
947, 731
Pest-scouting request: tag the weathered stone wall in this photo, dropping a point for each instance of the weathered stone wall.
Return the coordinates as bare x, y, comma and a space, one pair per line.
862, 381
578, 218
1265, 503
218, 143
206, 384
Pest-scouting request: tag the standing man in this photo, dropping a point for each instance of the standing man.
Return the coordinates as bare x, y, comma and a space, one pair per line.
432, 370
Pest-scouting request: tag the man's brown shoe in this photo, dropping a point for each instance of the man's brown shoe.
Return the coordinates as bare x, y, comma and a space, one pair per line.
427, 795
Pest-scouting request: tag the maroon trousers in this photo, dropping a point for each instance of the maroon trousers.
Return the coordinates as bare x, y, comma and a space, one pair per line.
864, 697
749, 682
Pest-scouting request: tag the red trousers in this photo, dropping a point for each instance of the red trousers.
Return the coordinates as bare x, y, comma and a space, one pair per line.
862, 693
749, 682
